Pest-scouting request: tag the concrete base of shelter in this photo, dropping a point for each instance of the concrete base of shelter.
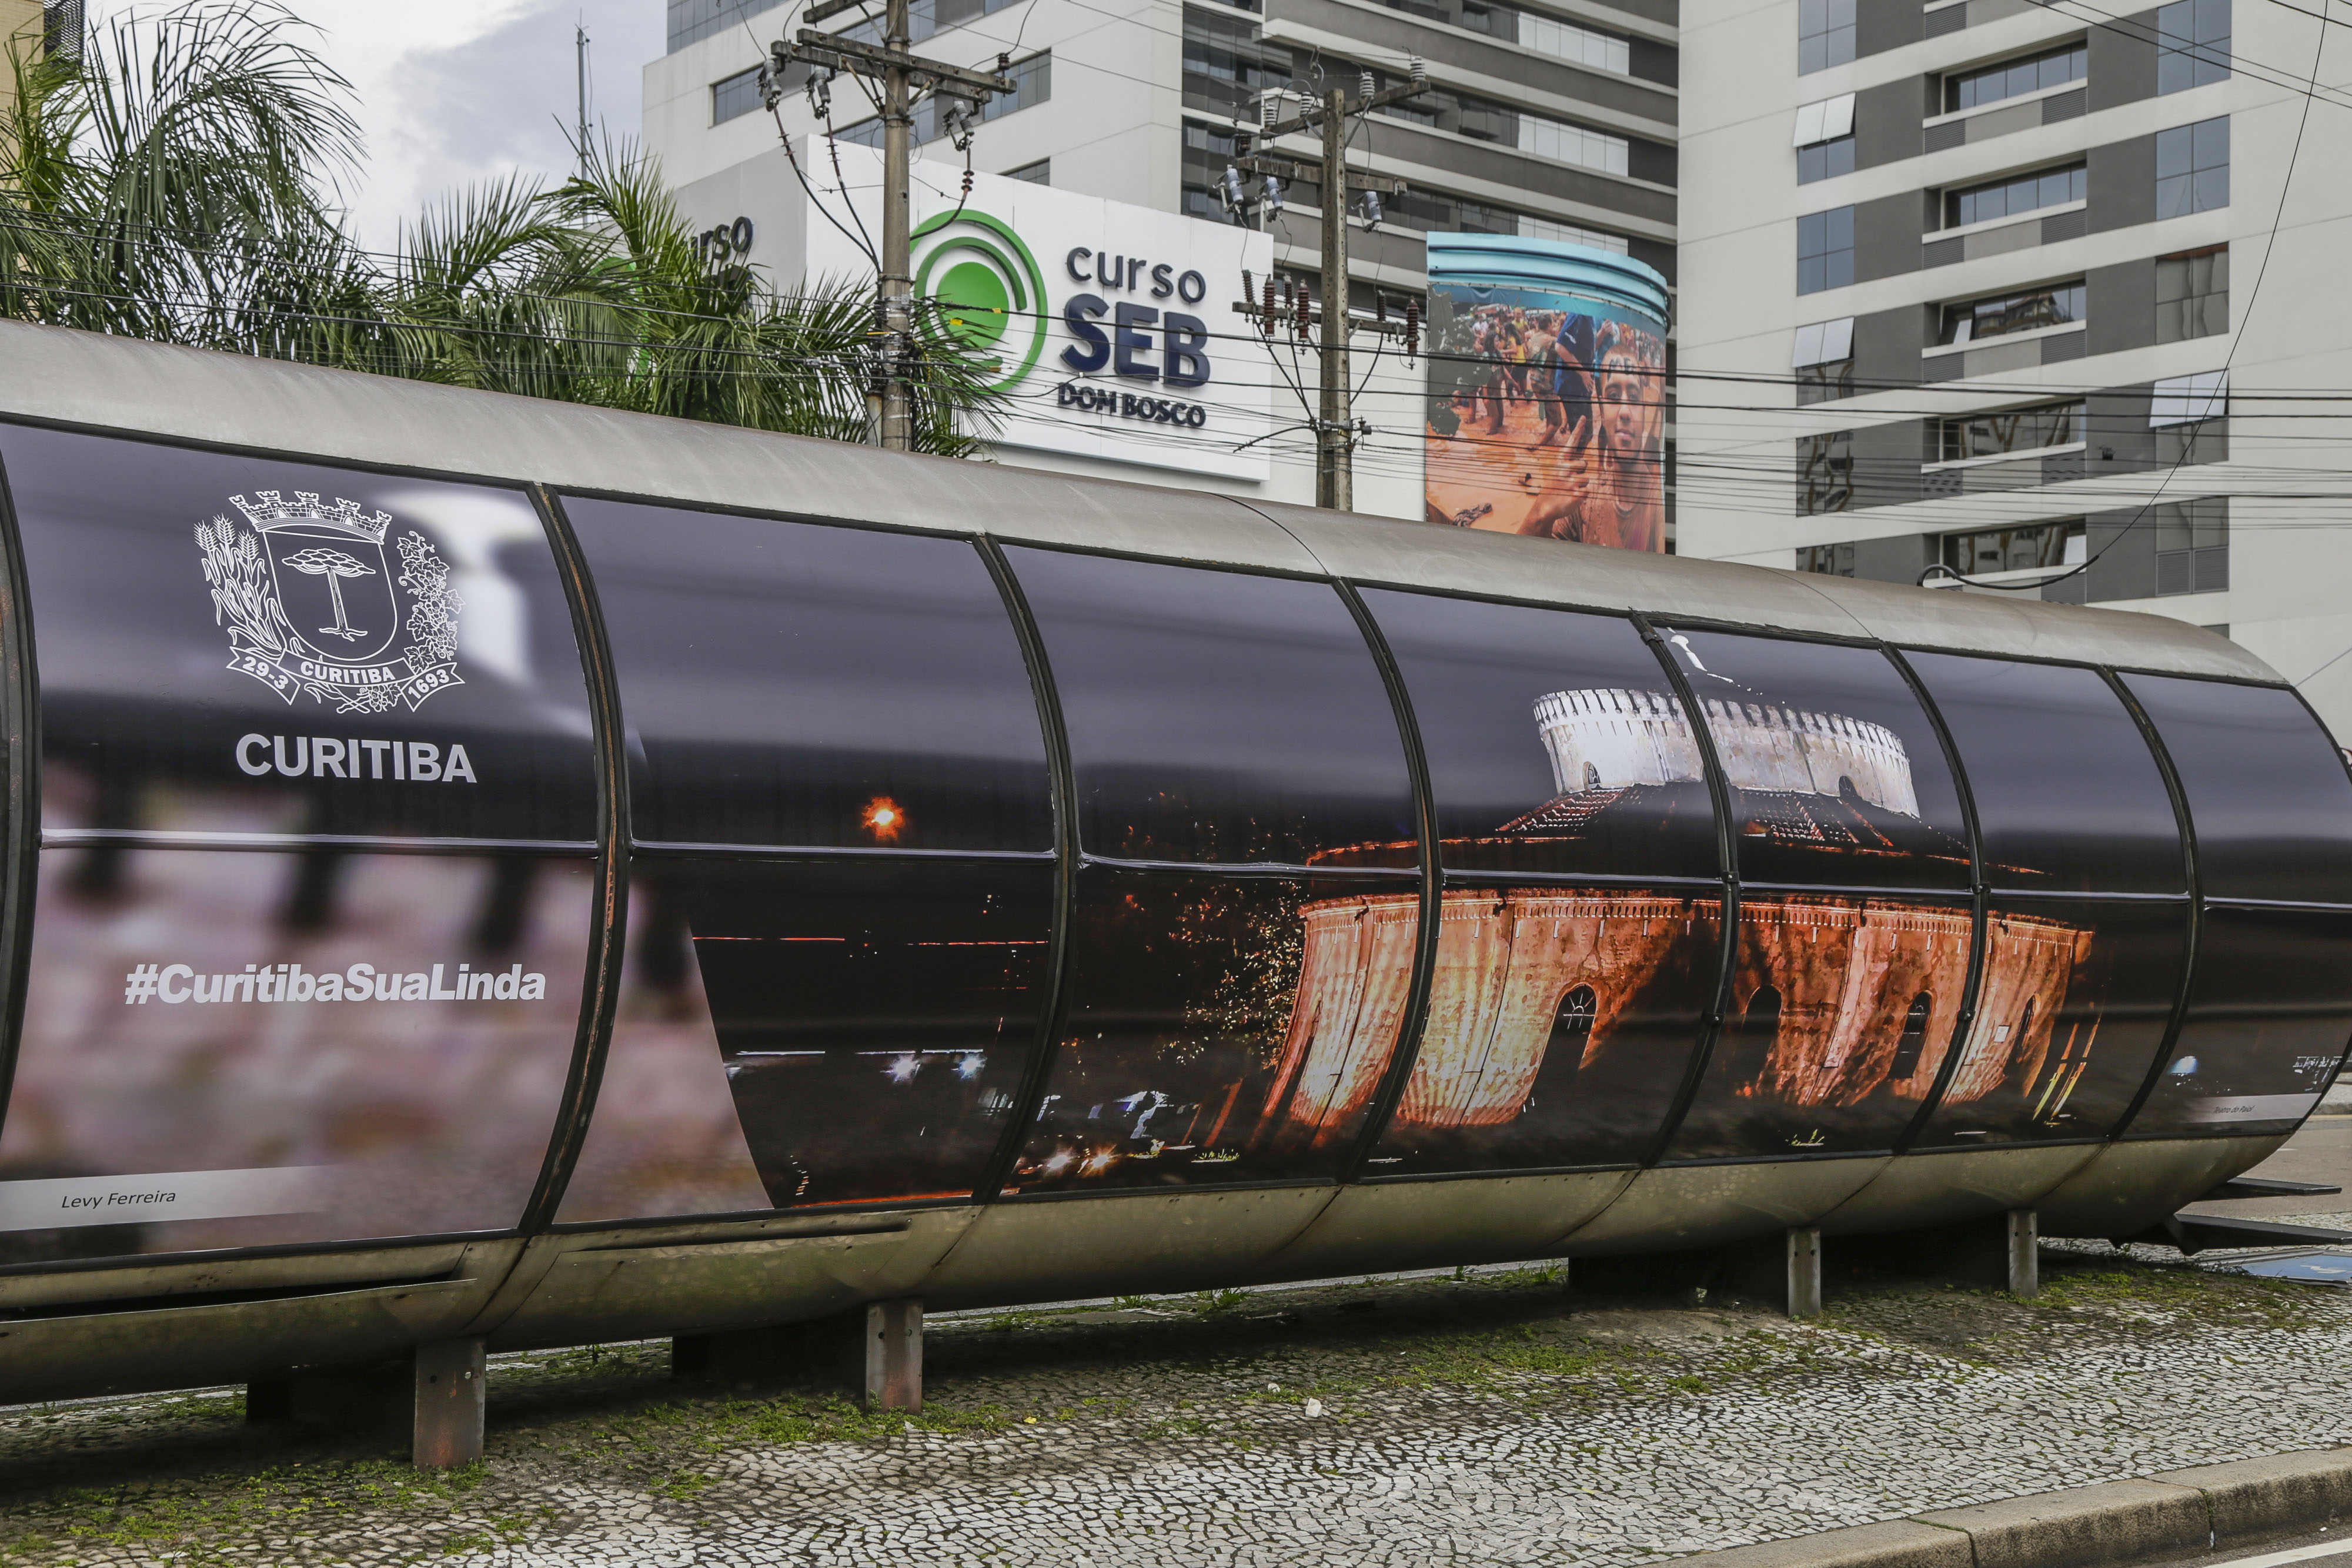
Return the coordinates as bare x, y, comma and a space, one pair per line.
872, 1354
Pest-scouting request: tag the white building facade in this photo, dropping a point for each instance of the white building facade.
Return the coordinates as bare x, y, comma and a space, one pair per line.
1552, 120
1991, 286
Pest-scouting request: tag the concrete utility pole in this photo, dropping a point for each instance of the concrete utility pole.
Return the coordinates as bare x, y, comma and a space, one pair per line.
904, 78
580, 64
1335, 425
1335, 440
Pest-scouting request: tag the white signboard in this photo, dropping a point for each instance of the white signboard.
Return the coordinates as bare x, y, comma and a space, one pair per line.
1114, 324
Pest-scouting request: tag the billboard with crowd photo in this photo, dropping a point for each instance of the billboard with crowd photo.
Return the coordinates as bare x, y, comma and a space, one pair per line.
1546, 391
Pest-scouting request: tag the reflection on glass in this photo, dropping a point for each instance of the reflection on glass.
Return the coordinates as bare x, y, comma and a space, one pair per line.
2268, 798
1218, 717
2075, 1000
1561, 1024
1554, 739
2270, 1010
1221, 1029
243, 645
793, 684
2068, 796
873, 1020
1837, 777
225, 1050
665, 1138
1841, 1011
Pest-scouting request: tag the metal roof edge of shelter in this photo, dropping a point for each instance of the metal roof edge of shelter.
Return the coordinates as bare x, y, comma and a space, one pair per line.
1511, 261
194, 394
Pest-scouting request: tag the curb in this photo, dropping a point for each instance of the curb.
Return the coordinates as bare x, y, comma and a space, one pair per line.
2179, 1513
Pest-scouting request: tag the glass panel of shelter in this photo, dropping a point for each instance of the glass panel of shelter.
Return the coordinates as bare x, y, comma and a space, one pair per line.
1247, 909
235, 644
264, 681
2077, 992
846, 1015
2268, 796
2269, 1009
1854, 938
1581, 935
790, 684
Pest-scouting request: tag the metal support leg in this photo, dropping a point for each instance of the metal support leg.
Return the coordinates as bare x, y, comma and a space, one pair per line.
1804, 1272
872, 1353
2024, 1253
450, 1391
894, 1355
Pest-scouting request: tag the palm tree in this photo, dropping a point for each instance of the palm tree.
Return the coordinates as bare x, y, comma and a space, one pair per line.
178, 181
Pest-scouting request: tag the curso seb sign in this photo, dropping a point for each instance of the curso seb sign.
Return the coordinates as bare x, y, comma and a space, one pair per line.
1112, 326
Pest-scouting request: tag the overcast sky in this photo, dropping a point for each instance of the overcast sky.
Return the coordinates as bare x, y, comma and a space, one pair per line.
452, 91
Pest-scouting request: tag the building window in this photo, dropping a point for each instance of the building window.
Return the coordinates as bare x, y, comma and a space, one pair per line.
2188, 400
1433, 210
1824, 139
1569, 143
1825, 250
2192, 39
737, 96
1493, 121
2013, 79
1531, 227
1824, 34
63, 29
1601, 51
2192, 294
2192, 546
2019, 194
1824, 160
2012, 431
2031, 547
1824, 472
1528, 29
1041, 172
1827, 560
691, 21
924, 17
2056, 306
1032, 84
1226, 68
2192, 168
1824, 361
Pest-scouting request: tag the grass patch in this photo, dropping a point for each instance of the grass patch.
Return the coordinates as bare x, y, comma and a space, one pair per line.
2201, 1295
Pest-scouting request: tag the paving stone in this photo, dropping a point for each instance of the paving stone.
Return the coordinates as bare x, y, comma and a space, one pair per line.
1496, 1417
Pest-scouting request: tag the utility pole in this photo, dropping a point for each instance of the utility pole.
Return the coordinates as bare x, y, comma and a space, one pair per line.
1335, 440
1335, 424
904, 78
579, 62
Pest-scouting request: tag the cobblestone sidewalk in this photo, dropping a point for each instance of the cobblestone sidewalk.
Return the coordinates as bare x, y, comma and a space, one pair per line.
1498, 1418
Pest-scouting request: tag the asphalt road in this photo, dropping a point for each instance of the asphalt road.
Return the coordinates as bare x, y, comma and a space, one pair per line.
2328, 1549
2321, 1152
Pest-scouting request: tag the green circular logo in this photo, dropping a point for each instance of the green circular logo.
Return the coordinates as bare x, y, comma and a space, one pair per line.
974, 300
988, 285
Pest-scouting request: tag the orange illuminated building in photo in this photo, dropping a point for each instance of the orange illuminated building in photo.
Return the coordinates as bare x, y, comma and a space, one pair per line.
1836, 997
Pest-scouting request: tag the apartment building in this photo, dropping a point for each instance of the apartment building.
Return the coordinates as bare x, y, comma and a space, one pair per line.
2008, 289
1553, 119
21, 26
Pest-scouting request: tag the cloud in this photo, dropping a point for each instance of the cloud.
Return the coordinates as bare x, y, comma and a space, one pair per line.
452, 92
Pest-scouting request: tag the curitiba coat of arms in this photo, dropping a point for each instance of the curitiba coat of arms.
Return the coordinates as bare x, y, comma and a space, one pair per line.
306, 589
